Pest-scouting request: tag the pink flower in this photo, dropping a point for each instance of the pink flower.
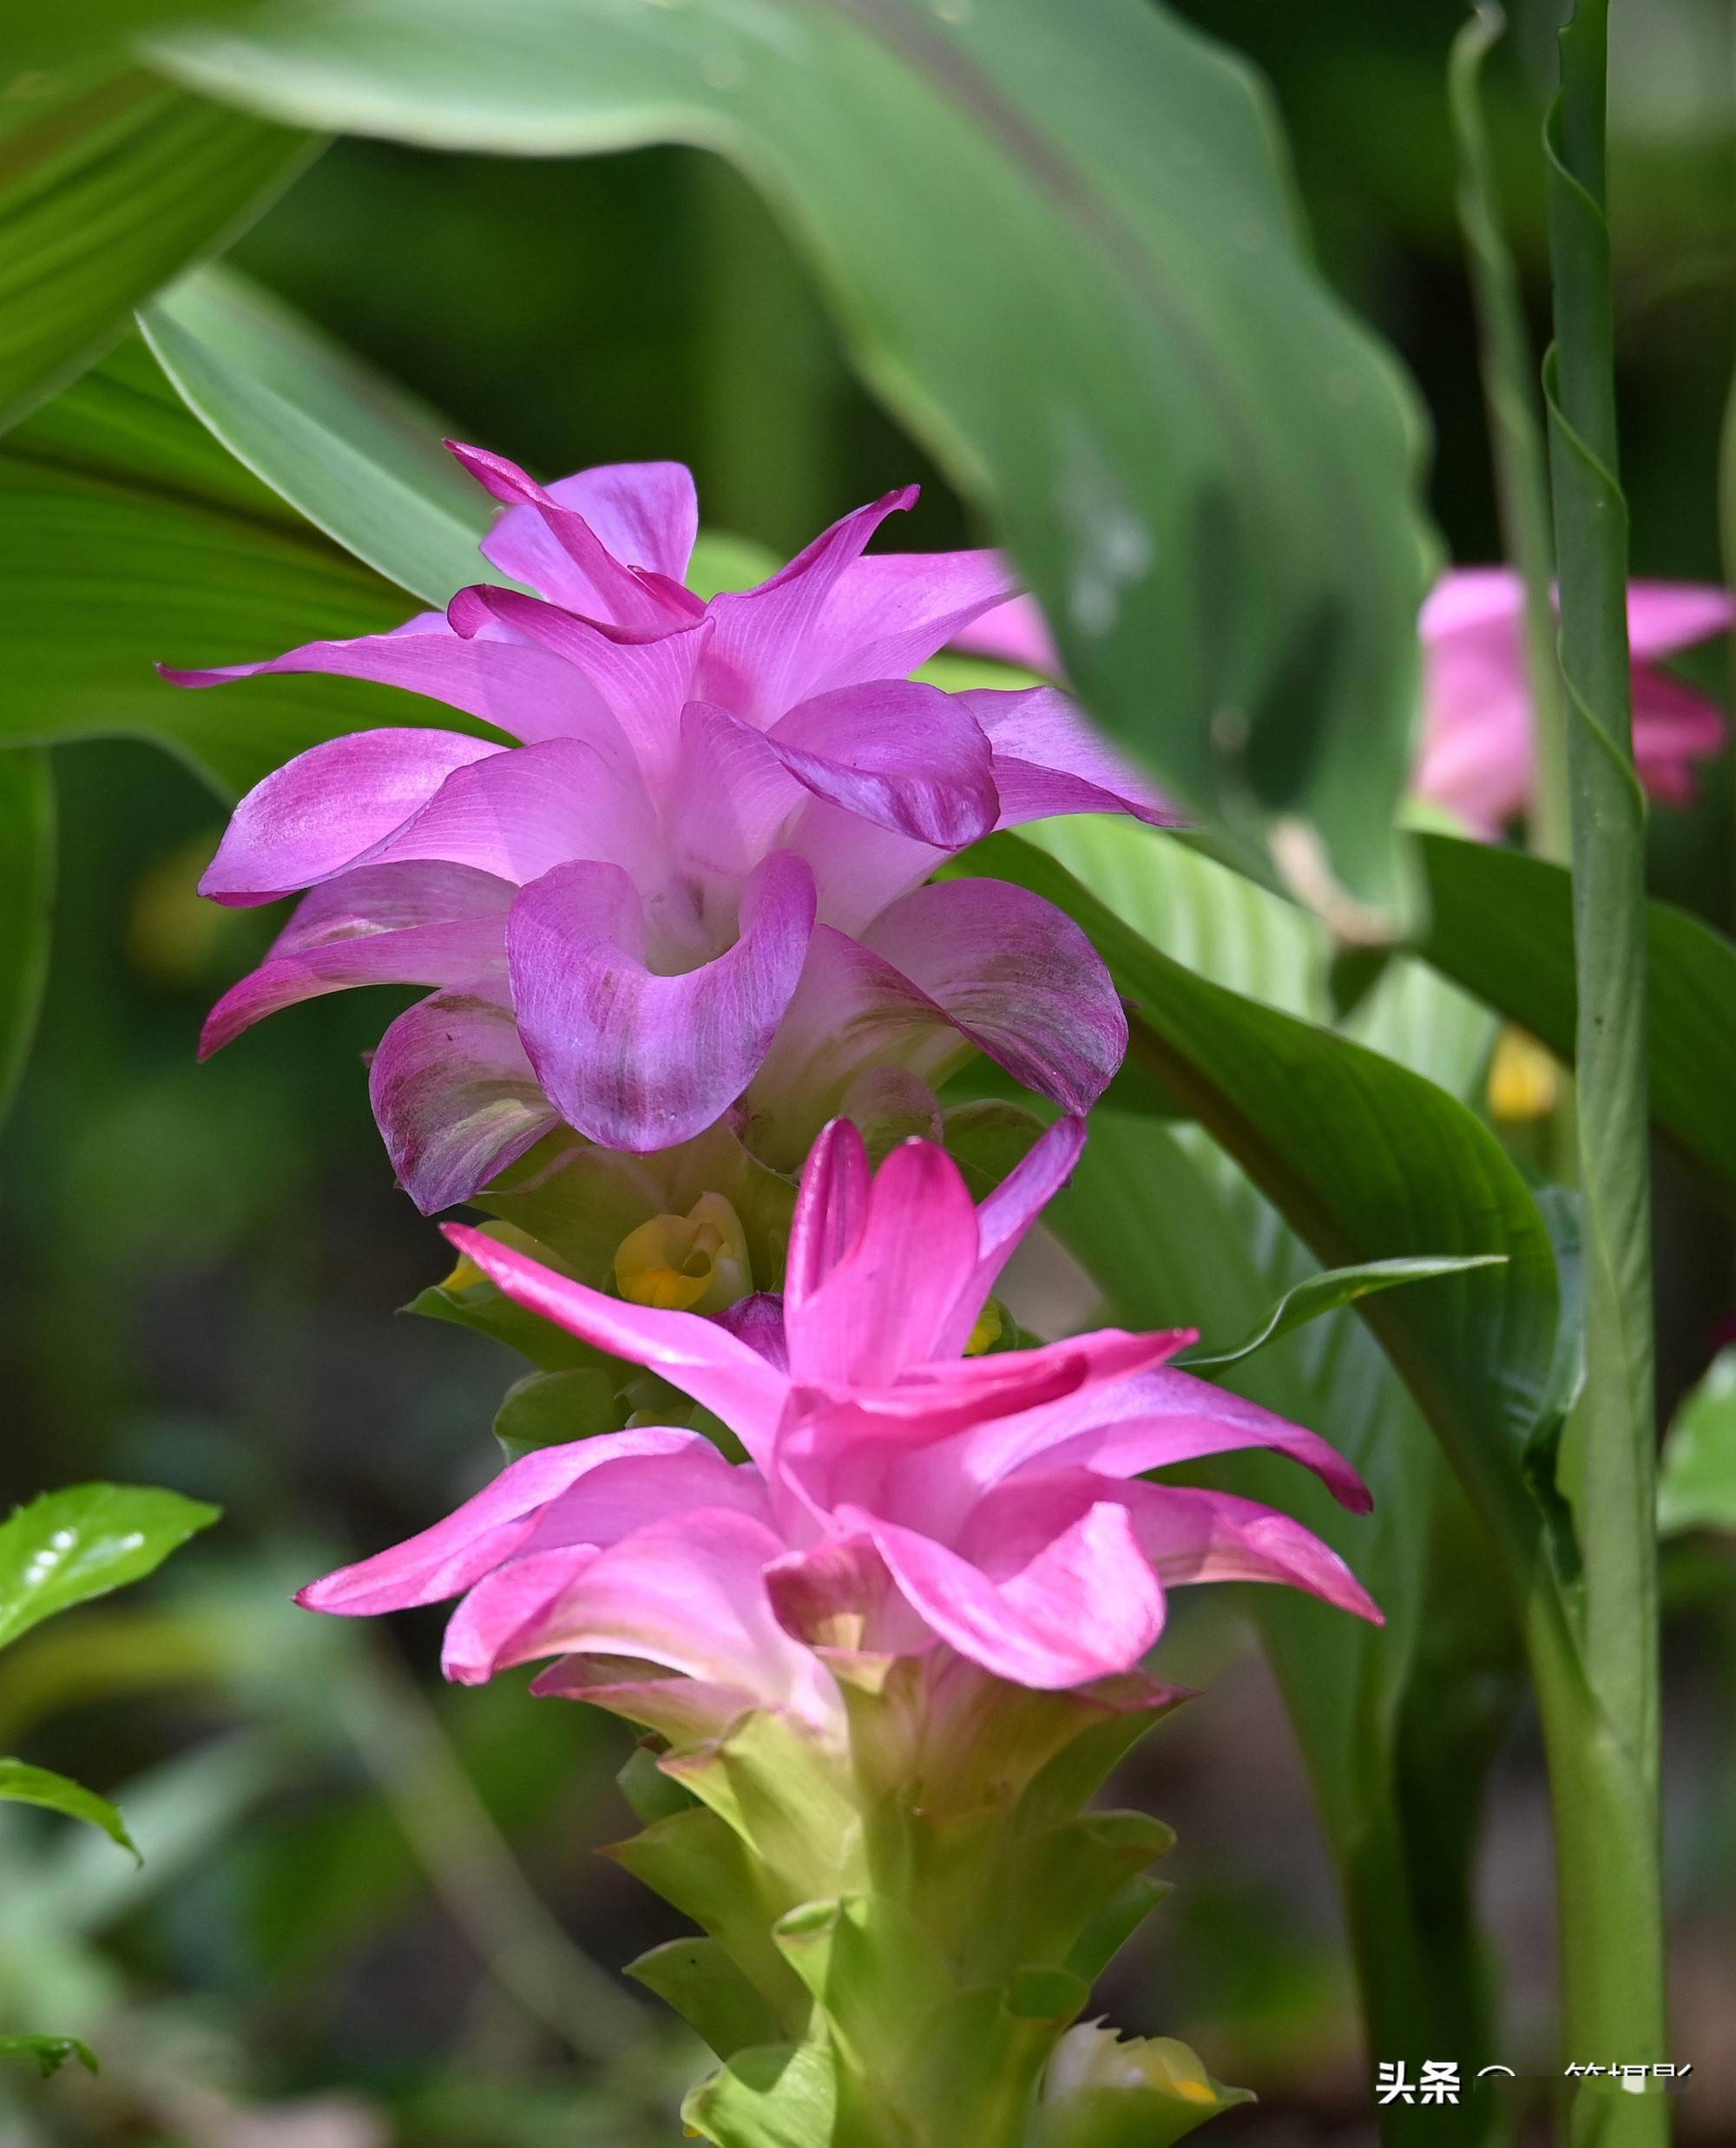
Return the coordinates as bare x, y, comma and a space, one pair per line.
899, 1499
695, 888
1479, 757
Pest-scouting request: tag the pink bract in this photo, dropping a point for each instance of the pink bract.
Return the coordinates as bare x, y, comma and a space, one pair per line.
898, 1500
694, 889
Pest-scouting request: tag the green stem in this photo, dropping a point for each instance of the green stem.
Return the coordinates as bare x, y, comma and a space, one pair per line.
1603, 1743
1515, 432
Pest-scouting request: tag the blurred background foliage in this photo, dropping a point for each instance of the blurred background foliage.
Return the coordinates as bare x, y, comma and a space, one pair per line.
329, 1945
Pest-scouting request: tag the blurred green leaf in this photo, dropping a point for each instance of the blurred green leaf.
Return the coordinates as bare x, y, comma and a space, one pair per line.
49, 2054
110, 181
1696, 1475
549, 1408
1501, 924
1205, 465
27, 880
26, 1785
129, 536
771, 2096
1324, 1293
355, 453
69, 1545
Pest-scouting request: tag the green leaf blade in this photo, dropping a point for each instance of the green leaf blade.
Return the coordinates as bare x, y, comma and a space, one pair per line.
27, 1785
69, 1545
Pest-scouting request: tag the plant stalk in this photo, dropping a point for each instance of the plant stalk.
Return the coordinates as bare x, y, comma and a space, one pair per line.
1603, 1739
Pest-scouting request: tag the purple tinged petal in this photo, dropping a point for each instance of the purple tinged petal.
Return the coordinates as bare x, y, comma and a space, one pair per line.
728, 799
455, 1552
1674, 726
1020, 979
1664, 616
903, 756
1014, 632
519, 813
1085, 1604
884, 1305
759, 1322
596, 582
694, 1354
648, 513
526, 692
634, 1060
322, 810
859, 868
890, 612
769, 650
1048, 760
831, 1208
455, 1097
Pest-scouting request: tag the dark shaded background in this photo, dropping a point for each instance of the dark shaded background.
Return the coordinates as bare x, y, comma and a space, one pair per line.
199, 1268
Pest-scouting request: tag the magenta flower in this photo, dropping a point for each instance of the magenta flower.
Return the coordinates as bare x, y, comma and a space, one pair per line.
1478, 757
899, 1499
695, 888
1479, 749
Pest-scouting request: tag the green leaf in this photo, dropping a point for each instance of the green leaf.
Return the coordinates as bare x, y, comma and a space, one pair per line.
27, 880
49, 2054
773, 2096
1205, 465
69, 1545
1501, 924
127, 537
110, 181
355, 453
698, 1979
26, 1785
1322, 1293
548, 1408
1697, 1476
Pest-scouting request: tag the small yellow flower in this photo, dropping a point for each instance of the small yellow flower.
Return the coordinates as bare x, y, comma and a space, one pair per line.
991, 1325
1524, 1080
695, 1262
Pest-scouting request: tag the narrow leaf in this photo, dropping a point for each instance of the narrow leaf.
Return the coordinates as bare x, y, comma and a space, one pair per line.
1324, 1293
1697, 1476
49, 2054
27, 871
26, 1785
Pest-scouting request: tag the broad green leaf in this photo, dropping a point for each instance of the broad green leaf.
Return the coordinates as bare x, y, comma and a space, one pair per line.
49, 2054
111, 180
26, 1785
1501, 924
127, 537
698, 1979
1696, 1475
360, 458
27, 874
69, 1545
1205, 466
1324, 1293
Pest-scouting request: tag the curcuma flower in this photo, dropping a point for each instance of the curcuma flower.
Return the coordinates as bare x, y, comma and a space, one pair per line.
694, 890
1478, 754
1479, 748
899, 1500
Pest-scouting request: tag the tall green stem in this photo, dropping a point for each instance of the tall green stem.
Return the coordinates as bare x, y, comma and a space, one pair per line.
1515, 432
1604, 1754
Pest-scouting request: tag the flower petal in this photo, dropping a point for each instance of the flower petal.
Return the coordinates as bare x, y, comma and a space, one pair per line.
634, 1060
1674, 726
1020, 979
1664, 616
1048, 760
770, 648
455, 1097
1085, 1604
648, 513
1014, 633
524, 692
322, 810
882, 1305
474, 1538
830, 1210
593, 580
890, 611
694, 1354
905, 756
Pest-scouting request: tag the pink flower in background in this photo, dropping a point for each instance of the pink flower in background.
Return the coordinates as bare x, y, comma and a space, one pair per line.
1478, 758
695, 888
900, 1499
